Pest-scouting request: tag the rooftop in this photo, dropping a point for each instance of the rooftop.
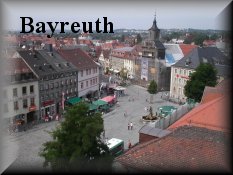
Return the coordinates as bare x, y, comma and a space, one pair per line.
16, 66
152, 131
211, 55
124, 49
212, 115
44, 63
78, 57
187, 149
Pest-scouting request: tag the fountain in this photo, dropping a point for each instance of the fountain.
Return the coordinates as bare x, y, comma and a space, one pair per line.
150, 117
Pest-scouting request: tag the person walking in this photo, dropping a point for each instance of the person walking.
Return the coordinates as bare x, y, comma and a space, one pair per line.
131, 125
128, 126
57, 117
129, 145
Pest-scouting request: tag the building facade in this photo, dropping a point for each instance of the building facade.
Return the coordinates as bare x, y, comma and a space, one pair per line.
151, 65
124, 58
88, 71
181, 70
20, 92
57, 79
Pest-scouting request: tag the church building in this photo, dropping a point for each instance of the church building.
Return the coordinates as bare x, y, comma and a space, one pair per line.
151, 64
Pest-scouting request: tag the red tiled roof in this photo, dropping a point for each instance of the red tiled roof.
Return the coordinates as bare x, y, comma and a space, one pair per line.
11, 38
212, 115
187, 48
98, 51
78, 57
187, 149
106, 53
221, 89
15, 66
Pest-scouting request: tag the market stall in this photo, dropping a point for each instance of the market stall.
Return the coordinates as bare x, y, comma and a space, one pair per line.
109, 99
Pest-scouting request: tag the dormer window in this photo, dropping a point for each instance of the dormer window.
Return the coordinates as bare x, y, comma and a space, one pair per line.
205, 60
67, 64
187, 62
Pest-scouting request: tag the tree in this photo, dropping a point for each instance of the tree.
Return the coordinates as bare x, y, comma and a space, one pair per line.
77, 143
152, 89
107, 70
205, 75
214, 36
123, 73
122, 39
139, 38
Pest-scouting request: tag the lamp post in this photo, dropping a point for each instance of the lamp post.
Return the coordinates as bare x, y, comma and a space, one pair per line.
162, 92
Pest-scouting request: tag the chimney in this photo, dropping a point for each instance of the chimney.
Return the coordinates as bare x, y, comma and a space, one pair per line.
49, 47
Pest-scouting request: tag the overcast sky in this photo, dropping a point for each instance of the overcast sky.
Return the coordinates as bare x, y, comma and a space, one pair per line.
124, 14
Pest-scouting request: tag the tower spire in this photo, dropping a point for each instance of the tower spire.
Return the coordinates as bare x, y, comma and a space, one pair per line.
155, 15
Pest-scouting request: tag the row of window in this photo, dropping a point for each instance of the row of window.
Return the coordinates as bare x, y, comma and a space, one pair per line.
183, 72
180, 81
24, 90
57, 94
24, 104
57, 76
88, 71
180, 91
92, 82
56, 84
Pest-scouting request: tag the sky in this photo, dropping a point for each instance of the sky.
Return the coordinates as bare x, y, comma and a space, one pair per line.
131, 14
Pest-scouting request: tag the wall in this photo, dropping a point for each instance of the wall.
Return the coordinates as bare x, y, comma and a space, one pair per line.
144, 137
92, 77
10, 99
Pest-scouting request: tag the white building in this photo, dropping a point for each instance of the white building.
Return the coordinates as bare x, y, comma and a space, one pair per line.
20, 93
124, 58
88, 71
181, 70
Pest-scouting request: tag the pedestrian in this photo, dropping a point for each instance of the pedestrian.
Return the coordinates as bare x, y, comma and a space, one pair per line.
50, 117
131, 125
124, 114
145, 108
129, 144
57, 118
128, 126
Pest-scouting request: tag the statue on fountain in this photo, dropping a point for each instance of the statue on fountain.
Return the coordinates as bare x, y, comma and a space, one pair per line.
150, 116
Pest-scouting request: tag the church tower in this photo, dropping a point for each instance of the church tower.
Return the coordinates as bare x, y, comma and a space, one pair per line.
151, 65
154, 31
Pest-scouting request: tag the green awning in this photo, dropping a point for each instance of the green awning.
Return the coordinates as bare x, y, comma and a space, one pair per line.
92, 107
99, 103
74, 100
105, 107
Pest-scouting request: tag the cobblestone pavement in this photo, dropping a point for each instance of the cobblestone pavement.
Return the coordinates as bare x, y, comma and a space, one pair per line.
115, 123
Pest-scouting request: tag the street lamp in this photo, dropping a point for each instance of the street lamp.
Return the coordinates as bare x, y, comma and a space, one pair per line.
162, 92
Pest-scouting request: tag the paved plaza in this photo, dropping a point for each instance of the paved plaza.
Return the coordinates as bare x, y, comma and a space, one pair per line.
115, 125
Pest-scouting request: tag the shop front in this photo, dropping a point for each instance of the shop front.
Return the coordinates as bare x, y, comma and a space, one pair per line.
48, 109
31, 115
18, 122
